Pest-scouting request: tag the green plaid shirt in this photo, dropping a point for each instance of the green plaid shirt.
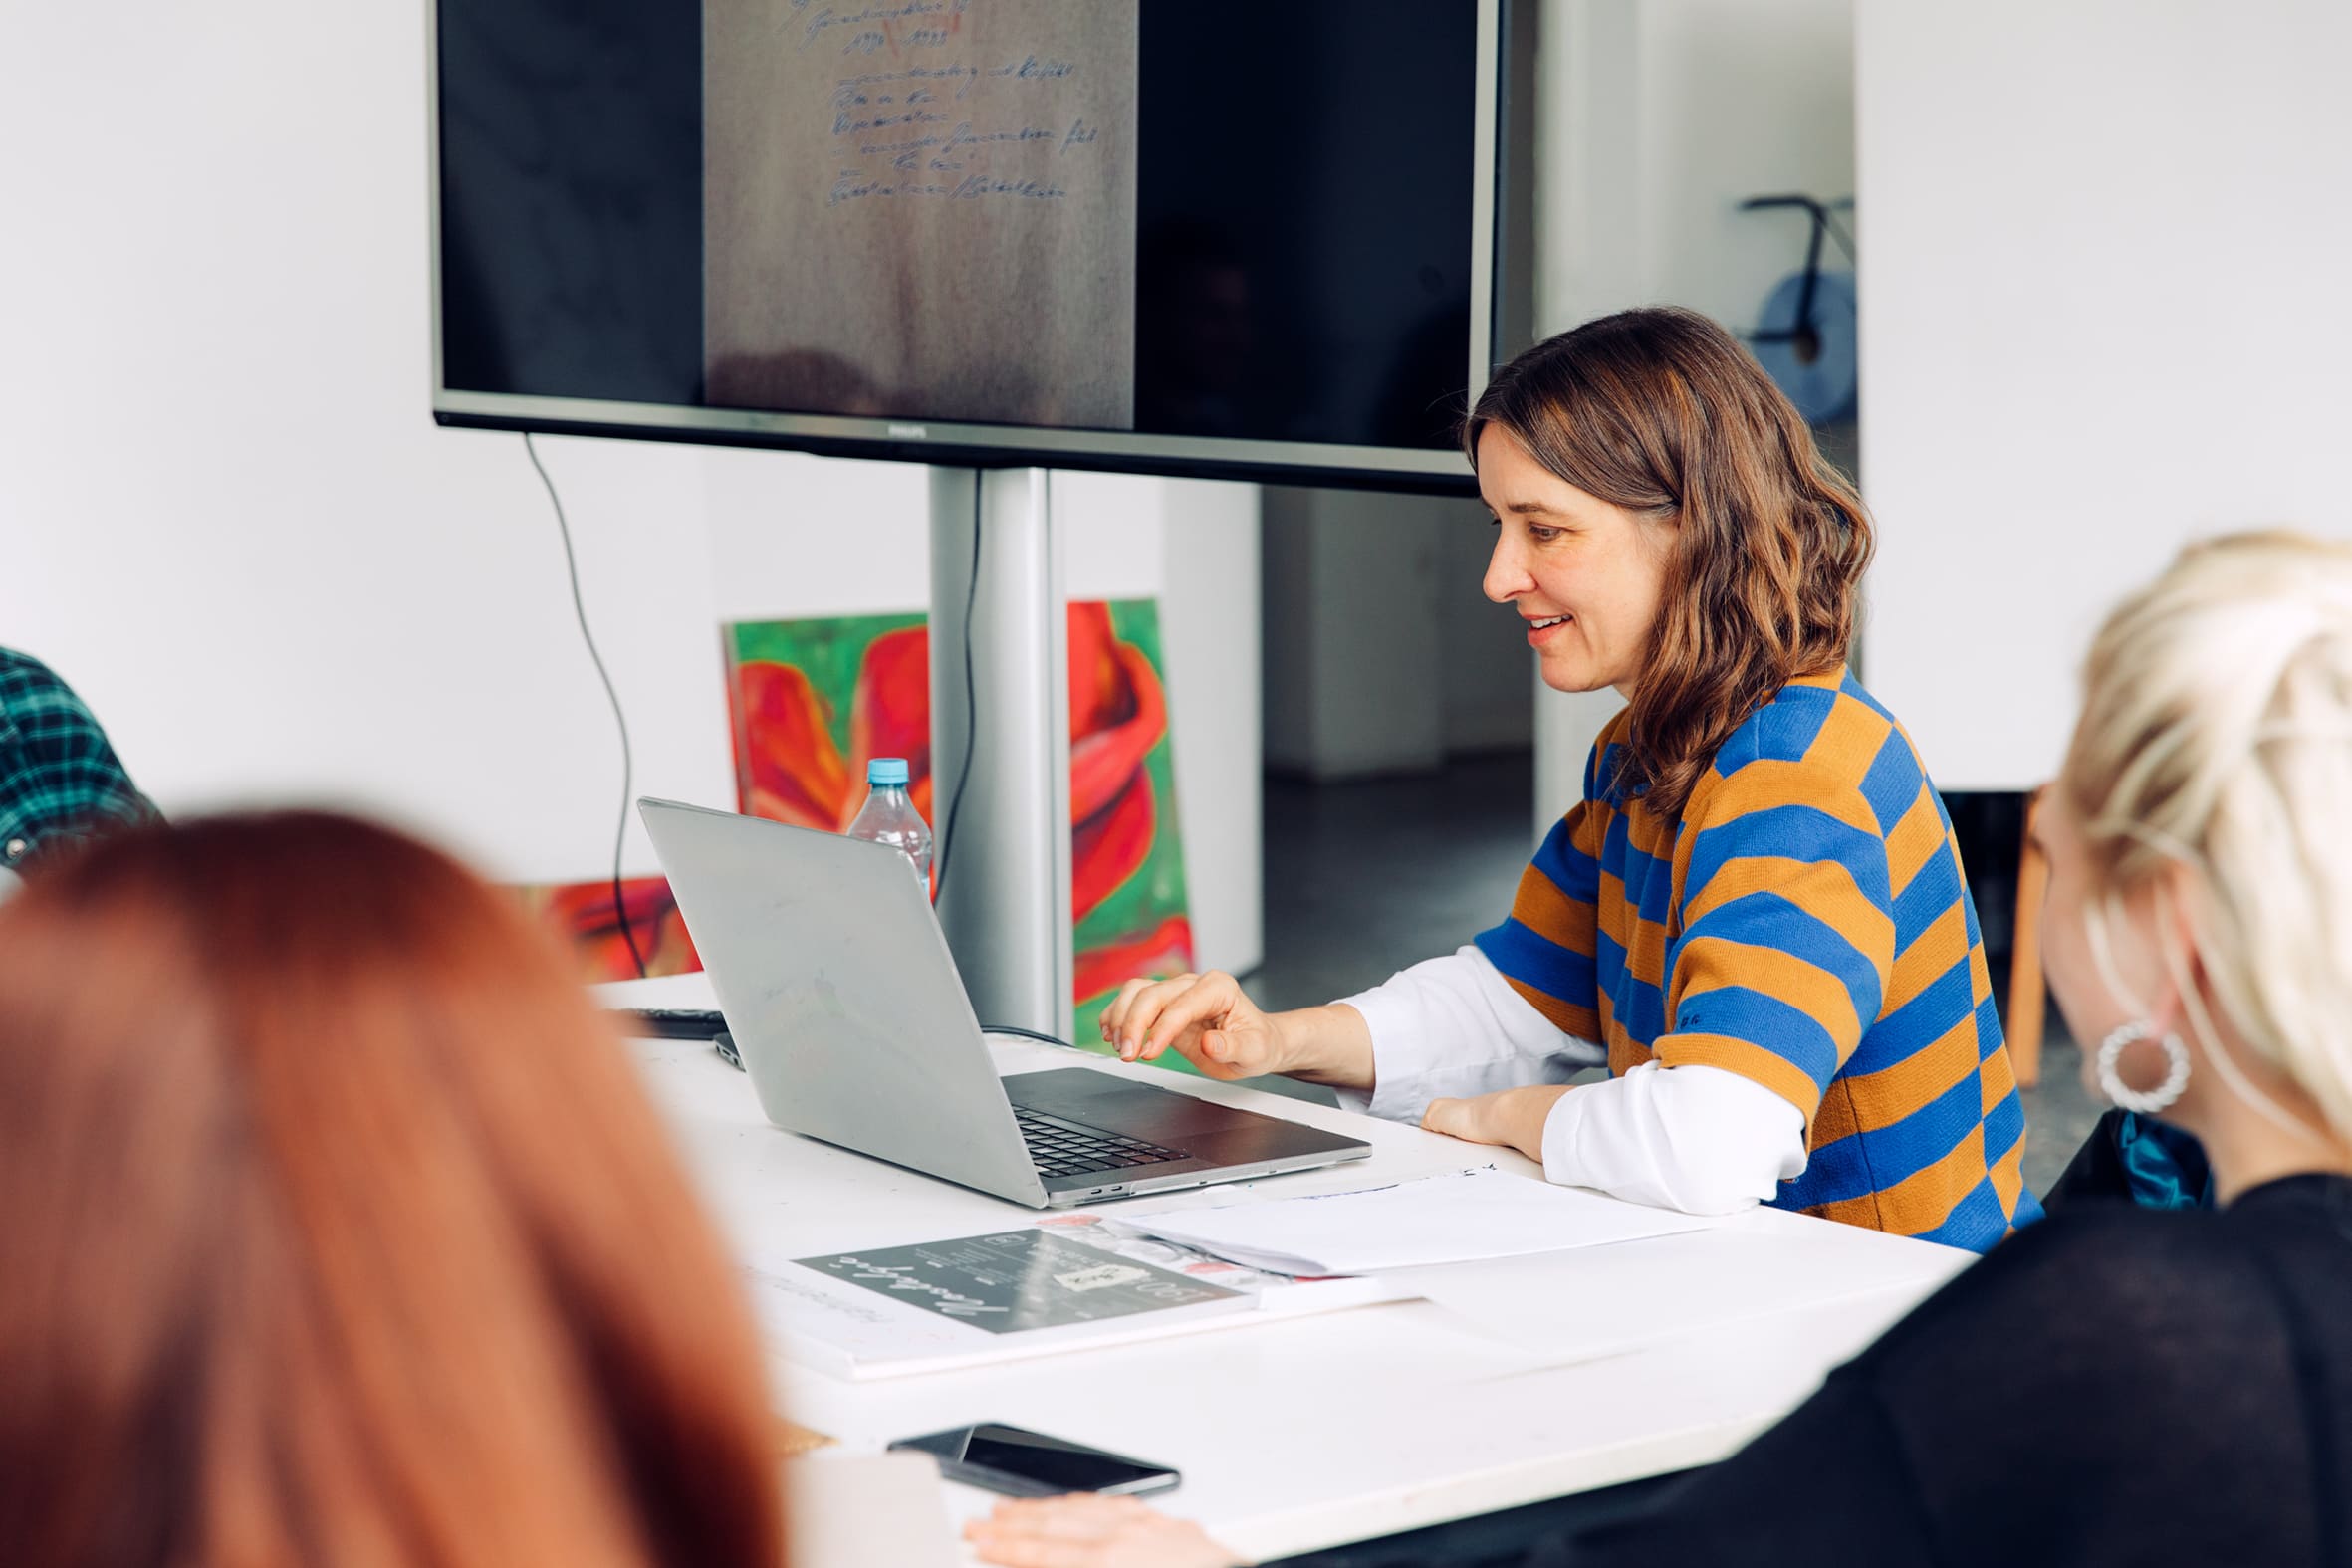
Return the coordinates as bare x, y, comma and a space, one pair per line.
59, 778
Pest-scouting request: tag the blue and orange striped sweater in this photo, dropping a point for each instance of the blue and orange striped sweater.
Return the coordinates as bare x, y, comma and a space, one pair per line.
1806, 926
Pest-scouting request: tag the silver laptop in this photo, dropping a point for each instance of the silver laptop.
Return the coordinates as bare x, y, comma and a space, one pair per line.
848, 1014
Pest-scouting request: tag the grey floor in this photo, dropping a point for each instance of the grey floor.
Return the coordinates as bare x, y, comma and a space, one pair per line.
1365, 878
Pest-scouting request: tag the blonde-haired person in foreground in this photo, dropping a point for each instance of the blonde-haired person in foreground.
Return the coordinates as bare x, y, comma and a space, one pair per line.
2115, 1385
334, 1229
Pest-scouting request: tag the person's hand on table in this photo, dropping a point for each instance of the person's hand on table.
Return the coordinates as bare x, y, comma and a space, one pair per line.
1513, 1118
1088, 1530
1205, 1018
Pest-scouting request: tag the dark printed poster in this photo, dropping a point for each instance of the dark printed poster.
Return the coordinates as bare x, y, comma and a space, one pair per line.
1015, 1280
922, 208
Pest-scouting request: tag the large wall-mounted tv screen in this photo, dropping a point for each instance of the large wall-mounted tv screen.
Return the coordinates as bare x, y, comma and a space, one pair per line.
1249, 237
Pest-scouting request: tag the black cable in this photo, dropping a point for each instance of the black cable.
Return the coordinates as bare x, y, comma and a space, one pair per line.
1845, 241
947, 822
621, 911
1026, 1035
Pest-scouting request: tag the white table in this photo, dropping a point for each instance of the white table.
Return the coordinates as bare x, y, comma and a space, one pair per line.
1318, 1431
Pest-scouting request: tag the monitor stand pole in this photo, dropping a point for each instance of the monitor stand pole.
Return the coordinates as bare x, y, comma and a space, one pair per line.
1005, 904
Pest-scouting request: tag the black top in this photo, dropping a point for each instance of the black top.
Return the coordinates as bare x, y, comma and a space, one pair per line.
2112, 1386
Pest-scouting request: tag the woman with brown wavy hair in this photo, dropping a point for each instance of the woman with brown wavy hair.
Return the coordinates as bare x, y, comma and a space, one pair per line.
334, 1229
1756, 915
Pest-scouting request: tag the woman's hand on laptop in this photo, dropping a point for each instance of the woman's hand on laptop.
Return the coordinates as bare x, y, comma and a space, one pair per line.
1205, 1018
1209, 1022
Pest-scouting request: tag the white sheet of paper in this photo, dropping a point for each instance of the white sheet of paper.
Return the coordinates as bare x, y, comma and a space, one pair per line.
1584, 1305
1436, 1219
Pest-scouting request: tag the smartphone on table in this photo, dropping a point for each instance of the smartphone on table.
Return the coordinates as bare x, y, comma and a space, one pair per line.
1022, 1464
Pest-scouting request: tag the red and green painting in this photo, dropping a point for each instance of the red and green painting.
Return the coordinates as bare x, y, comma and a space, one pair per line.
811, 701
581, 913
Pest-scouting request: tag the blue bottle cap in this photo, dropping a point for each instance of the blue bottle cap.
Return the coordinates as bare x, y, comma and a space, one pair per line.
886, 771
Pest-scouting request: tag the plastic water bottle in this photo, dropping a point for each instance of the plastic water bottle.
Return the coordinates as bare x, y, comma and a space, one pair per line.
889, 818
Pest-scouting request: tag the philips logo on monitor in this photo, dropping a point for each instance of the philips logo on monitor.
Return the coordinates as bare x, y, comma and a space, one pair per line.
909, 433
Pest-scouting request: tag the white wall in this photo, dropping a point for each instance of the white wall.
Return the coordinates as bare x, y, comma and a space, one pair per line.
1383, 654
2106, 309
1656, 118
230, 523
1483, 673
1353, 634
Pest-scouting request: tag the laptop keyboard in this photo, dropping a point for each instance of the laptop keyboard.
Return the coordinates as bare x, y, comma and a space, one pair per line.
1059, 1148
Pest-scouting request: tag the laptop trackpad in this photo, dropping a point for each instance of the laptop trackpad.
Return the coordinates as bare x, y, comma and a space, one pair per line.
1119, 1104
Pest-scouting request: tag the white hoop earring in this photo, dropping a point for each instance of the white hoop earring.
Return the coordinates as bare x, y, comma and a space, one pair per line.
2152, 1101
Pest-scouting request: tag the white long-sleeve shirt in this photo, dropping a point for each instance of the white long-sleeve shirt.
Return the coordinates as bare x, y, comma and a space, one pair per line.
1693, 1138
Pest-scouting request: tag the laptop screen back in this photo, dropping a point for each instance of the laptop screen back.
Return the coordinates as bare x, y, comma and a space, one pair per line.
841, 995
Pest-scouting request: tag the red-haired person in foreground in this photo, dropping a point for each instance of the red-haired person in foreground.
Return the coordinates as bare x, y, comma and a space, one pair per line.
333, 1228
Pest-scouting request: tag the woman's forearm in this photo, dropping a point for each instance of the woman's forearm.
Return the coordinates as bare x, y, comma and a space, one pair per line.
1451, 1027
1330, 1044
